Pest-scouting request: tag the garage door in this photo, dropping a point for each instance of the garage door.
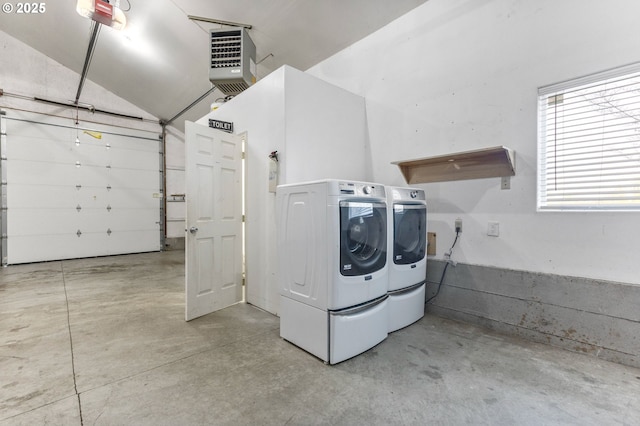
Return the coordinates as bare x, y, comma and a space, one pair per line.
73, 192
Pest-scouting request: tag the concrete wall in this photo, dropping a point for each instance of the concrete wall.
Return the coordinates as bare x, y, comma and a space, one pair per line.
594, 317
27, 72
319, 132
456, 75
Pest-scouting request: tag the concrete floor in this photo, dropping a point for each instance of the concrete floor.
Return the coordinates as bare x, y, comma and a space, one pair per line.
103, 341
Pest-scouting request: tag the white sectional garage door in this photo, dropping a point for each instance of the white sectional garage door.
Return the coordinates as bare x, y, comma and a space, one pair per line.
77, 192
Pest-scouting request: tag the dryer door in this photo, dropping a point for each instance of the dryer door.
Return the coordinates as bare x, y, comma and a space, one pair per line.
363, 237
410, 233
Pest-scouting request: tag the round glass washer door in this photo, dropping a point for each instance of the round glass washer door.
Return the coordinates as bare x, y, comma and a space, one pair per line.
363, 237
410, 233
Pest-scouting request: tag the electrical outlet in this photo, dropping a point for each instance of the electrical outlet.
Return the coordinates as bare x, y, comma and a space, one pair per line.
493, 229
458, 225
505, 182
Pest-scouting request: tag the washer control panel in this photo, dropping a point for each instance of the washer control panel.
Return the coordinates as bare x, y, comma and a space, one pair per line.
398, 193
362, 189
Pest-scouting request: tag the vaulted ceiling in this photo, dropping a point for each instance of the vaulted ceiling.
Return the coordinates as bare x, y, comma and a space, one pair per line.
160, 62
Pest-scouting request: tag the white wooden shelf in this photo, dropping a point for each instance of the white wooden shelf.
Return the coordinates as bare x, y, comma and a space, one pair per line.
483, 163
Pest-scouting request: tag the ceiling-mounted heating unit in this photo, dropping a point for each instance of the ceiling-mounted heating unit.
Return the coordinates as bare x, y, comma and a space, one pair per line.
233, 60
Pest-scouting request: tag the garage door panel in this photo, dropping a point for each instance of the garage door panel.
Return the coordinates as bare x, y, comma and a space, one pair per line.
65, 200
56, 197
132, 219
88, 176
92, 155
51, 196
39, 173
134, 241
31, 129
68, 222
55, 221
92, 220
38, 150
130, 159
129, 178
92, 197
70, 197
130, 144
21, 222
39, 248
134, 198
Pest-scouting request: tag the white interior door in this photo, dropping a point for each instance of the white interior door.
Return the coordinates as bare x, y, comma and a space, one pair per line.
213, 246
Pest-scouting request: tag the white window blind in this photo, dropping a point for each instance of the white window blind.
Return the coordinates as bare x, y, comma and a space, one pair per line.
589, 143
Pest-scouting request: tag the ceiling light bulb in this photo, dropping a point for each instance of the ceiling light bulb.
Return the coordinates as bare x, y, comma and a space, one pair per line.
85, 8
119, 20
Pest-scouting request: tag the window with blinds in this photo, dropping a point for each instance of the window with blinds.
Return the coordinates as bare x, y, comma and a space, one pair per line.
589, 143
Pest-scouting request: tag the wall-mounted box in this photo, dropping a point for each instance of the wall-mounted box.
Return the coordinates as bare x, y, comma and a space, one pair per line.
431, 243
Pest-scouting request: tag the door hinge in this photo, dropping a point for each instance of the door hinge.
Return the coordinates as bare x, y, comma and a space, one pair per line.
243, 218
242, 155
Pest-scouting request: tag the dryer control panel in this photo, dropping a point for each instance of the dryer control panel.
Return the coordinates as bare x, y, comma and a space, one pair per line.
362, 189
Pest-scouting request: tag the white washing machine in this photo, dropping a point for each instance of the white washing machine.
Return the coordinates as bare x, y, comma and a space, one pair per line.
332, 249
407, 230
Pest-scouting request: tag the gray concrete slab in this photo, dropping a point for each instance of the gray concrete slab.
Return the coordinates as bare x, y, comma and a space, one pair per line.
136, 361
64, 412
596, 317
35, 351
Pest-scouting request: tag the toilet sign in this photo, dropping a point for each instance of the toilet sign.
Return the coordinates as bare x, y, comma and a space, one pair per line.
225, 126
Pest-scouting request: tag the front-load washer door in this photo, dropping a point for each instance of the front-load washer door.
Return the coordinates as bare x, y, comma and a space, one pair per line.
363, 237
410, 233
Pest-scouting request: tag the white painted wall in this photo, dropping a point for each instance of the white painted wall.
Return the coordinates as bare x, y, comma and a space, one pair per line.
457, 75
319, 132
175, 184
27, 72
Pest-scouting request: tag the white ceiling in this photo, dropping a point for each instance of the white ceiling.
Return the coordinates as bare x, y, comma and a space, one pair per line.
162, 64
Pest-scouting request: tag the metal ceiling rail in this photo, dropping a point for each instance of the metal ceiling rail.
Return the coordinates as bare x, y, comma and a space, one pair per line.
191, 105
219, 22
95, 30
77, 106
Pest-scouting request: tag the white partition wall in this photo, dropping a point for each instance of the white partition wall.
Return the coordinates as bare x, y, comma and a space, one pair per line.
319, 131
77, 191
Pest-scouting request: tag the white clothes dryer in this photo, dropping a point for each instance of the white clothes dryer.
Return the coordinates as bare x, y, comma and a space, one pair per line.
332, 269
407, 230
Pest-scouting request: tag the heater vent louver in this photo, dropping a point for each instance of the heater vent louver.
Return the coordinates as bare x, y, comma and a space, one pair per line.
233, 60
228, 88
226, 50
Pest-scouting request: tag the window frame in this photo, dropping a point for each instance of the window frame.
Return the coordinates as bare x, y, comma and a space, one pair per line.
559, 89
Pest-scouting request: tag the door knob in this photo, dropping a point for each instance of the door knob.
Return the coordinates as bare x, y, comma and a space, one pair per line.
193, 229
